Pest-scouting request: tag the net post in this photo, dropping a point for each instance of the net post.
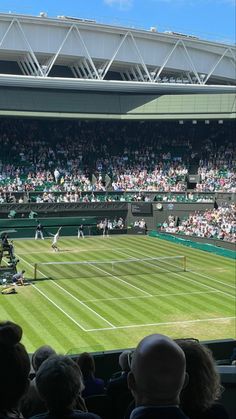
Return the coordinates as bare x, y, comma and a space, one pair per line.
184, 263
35, 271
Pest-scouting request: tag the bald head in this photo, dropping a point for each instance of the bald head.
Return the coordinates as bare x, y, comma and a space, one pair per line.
157, 371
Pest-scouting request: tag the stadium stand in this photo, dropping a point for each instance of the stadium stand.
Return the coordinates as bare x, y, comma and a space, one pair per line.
219, 223
73, 157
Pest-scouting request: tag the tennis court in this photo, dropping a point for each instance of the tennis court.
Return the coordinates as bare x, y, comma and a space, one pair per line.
126, 287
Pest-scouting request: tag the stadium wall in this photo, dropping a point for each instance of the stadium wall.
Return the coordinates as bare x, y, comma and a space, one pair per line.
219, 247
71, 215
151, 212
31, 102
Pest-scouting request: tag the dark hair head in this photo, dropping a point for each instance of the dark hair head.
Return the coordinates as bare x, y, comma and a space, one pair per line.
204, 387
124, 360
14, 365
40, 355
59, 381
86, 364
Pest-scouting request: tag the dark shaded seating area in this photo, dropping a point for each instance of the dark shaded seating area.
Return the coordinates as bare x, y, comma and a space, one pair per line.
126, 384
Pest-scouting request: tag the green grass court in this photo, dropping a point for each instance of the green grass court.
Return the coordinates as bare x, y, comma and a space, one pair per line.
85, 308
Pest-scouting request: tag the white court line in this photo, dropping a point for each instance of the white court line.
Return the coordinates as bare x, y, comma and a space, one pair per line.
59, 308
122, 280
212, 279
151, 296
164, 323
181, 276
75, 298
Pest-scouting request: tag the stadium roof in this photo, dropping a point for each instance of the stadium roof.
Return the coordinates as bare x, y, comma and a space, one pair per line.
79, 54
110, 85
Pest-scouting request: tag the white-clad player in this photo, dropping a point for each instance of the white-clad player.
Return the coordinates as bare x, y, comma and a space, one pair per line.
55, 240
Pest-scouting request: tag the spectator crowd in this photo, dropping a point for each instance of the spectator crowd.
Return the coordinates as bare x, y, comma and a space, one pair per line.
75, 157
219, 223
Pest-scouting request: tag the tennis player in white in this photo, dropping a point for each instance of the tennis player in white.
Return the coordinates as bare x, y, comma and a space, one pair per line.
55, 240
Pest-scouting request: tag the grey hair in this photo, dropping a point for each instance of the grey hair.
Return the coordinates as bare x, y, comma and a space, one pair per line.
40, 355
59, 381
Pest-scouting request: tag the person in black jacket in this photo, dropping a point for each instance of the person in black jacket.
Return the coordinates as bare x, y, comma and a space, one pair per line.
81, 231
117, 387
39, 232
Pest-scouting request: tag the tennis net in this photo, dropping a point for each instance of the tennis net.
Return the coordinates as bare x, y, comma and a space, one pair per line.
120, 267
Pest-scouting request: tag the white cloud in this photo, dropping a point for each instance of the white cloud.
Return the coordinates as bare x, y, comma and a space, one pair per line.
122, 4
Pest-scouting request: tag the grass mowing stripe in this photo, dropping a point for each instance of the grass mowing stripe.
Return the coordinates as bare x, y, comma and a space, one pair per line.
91, 288
151, 296
192, 253
198, 254
19, 315
181, 276
217, 288
163, 281
59, 308
90, 250
38, 313
128, 313
85, 317
172, 308
79, 301
122, 280
211, 279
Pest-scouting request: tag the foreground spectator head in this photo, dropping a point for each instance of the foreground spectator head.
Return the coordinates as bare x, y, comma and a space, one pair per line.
86, 364
40, 355
157, 372
92, 384
14, 365
59, 381
204, 387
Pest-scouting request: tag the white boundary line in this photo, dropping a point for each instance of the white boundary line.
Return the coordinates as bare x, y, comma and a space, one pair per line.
151, 296
164, 323
212, 279
181, 276
59, 308
71, 295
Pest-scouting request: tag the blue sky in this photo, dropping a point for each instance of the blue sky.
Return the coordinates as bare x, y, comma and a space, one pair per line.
209, 19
